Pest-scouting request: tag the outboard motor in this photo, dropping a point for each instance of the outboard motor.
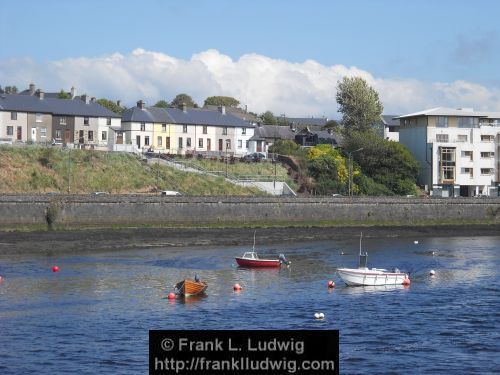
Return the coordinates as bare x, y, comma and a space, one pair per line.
283, 260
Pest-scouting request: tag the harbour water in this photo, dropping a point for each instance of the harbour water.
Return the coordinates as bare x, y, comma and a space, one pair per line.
93, 316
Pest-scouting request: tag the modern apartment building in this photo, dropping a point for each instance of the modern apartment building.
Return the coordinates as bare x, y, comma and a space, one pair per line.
458, 150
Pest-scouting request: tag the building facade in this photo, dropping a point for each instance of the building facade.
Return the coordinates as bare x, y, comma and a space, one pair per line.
458, 150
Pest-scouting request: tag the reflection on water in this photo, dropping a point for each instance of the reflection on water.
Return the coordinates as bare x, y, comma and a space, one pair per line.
101, 306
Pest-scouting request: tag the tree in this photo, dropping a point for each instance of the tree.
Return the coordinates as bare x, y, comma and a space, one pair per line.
111, 105
2, 91
184, 99
359, 104
10, 90
387, 163
222, 100
332, 125
63, 95
268, 118
329, 170
162, 104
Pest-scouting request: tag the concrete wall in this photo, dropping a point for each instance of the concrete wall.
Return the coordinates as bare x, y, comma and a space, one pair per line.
145, 210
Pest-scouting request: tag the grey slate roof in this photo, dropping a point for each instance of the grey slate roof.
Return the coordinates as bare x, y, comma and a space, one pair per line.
192, 116
442, 111
271, 132
298, 121
238, 112
68, 107
390, 120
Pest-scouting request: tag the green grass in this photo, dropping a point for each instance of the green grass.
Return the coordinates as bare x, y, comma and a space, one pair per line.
51, 169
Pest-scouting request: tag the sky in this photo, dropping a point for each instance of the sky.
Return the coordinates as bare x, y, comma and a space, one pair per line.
285, 56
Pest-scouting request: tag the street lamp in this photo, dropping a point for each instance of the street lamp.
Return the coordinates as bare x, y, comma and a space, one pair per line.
350, 168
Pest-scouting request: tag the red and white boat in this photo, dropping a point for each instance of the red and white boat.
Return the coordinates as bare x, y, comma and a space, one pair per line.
252, 260
363, 276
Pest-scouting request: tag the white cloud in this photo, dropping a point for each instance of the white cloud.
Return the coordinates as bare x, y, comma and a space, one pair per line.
262, 83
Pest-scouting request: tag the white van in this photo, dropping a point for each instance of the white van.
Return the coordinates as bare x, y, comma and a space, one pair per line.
170, 192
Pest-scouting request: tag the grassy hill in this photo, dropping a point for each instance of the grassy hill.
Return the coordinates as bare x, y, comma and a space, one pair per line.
51, 169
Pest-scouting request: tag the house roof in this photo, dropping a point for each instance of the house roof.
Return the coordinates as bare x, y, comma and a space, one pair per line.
238, 112
68, 107
272, 132
336, 138
298, 121
442, 111
150, 114
390, 120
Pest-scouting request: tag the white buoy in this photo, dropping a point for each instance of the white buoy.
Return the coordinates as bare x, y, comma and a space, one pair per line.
432, 272
415, 242
316, 316
321, 315
434, 253
341, 252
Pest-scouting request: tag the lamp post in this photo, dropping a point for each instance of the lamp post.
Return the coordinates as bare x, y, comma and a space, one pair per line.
350, 168
69, 170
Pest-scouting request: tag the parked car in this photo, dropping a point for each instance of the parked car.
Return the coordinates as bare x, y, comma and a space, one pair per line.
99, 193
256, 156
337, 195
170, 192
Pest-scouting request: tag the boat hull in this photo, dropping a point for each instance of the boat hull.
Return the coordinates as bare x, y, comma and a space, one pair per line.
190, 287
258, 263
356, 277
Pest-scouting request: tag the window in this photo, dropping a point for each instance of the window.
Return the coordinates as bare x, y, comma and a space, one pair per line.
200, 142
85, 121
224, 131
468, 154
146, 140
58, 133
487, 138
13, 115
184, 128
62, 120
442, 122
43, 131
228, 144
467, 122
188, 142
447, 163
167, 142
91, 136
448, 173
143, 126
204, 129
180, 142
160, 140
163, 128
240, 143
104, 136
462, 138
442, 138
243, 130
247, 143
469, 171
38, 117
447, 154
486, 171
10, 130
487, 154
108, 121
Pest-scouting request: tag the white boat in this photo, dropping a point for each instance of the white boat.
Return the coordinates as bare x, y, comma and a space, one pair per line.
364, 276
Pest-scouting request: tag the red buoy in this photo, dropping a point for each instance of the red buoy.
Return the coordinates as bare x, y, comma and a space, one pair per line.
237, 287
171, 295
331, 284
406, 281
1, 279
55, 269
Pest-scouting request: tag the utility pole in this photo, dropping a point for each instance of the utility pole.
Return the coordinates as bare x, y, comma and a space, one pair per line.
69, 170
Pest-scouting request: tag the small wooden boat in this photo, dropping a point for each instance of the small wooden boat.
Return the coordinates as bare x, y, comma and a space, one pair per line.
363, 276
189, 287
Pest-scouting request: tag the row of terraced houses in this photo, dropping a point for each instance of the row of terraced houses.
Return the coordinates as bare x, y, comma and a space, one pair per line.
458, 149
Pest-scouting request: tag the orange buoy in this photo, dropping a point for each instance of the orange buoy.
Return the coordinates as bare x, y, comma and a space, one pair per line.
55, 269
1, 279
237, 287
171, 295
331, 284
406, 281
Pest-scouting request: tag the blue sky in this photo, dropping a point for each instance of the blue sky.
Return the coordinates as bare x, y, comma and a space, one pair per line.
428, 42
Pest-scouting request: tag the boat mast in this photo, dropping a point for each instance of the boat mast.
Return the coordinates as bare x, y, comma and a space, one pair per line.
360, 237
253, 248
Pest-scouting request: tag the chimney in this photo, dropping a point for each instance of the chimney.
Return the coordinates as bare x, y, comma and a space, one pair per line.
183, 106
246, 108
92, 99
85, 98
73, 92
32, 88
40, 94
222, 109
118, 102
140, 104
